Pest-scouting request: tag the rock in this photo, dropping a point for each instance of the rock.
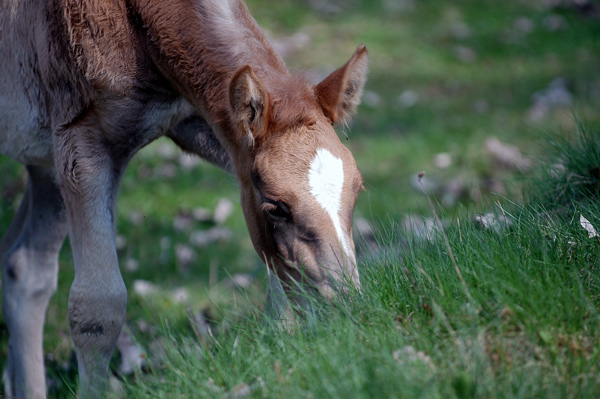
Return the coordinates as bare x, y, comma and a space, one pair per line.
136, 218
223, 210
240, 280
465, 54
443, 160
166, 170
371, 99
506, 156
199, 325
188, 161
493, 221
158, 350
201, 215
409, 355
421, 228
523, 25
132, 357
327, 7
363, 228
183, 221
240, 391
120, 242
460, 30
132, 265
166, 150
364, 237
144, 288
203, 238
408, 99
184, 255
588, 227
423, 184
480, 107
554, 23
397, 6
453, 191
286, 46
555, 95
180, 295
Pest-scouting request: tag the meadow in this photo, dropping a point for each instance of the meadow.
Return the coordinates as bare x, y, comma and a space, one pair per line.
479, 280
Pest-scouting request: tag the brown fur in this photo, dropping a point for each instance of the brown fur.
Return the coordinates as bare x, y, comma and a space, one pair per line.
84, 84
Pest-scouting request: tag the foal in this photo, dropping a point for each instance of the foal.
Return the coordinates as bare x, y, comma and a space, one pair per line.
84, 84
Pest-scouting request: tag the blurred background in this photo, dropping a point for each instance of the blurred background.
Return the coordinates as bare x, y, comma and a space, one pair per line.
462, 90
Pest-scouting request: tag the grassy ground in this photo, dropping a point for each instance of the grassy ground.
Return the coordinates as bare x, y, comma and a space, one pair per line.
523, 325
444, 78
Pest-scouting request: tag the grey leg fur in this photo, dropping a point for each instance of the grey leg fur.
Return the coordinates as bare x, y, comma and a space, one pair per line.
29, 253
97, 299
194, 135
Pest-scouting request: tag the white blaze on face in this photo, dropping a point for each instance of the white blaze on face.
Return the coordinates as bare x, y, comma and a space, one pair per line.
326, 181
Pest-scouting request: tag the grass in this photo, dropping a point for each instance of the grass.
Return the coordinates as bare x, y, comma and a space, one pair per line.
528, 328
493, 311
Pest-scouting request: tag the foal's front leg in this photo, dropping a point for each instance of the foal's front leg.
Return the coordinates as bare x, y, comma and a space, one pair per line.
97, 300
29, 257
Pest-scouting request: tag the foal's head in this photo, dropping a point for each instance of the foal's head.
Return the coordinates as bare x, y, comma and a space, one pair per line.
299, 183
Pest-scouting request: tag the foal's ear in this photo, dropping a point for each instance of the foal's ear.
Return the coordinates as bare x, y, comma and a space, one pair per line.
249, 104
339, 93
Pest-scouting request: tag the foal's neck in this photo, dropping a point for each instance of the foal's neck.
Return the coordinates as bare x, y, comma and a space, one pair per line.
199, 45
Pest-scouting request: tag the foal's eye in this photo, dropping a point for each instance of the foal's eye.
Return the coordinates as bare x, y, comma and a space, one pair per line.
276, 210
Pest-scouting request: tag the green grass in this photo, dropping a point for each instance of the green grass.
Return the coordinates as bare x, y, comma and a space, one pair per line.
526, 326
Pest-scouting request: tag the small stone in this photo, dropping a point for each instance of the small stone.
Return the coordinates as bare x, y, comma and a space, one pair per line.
120, 242
523, 25
166, 150
183, 221
454, 190
184, 255
180, 295
166, 170
144, 288
223, 210
408, 99
132, 265
136, 218
201, 215
240, 391
203, 238
423, 185
493, 221
465, 54
507, 156
481, 107
554, 23
132, 356
408, 354
460, 30
241, 280
443, 160
286, 46
371, 99
363, 227
188, 161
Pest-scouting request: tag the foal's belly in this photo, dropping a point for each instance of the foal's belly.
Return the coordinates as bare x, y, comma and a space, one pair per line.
22, 136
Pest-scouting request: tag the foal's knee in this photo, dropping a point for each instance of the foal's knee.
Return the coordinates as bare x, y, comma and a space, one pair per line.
28, 276
96, 316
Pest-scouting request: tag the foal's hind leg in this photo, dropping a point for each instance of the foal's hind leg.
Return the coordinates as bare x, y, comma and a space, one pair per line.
29, 255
